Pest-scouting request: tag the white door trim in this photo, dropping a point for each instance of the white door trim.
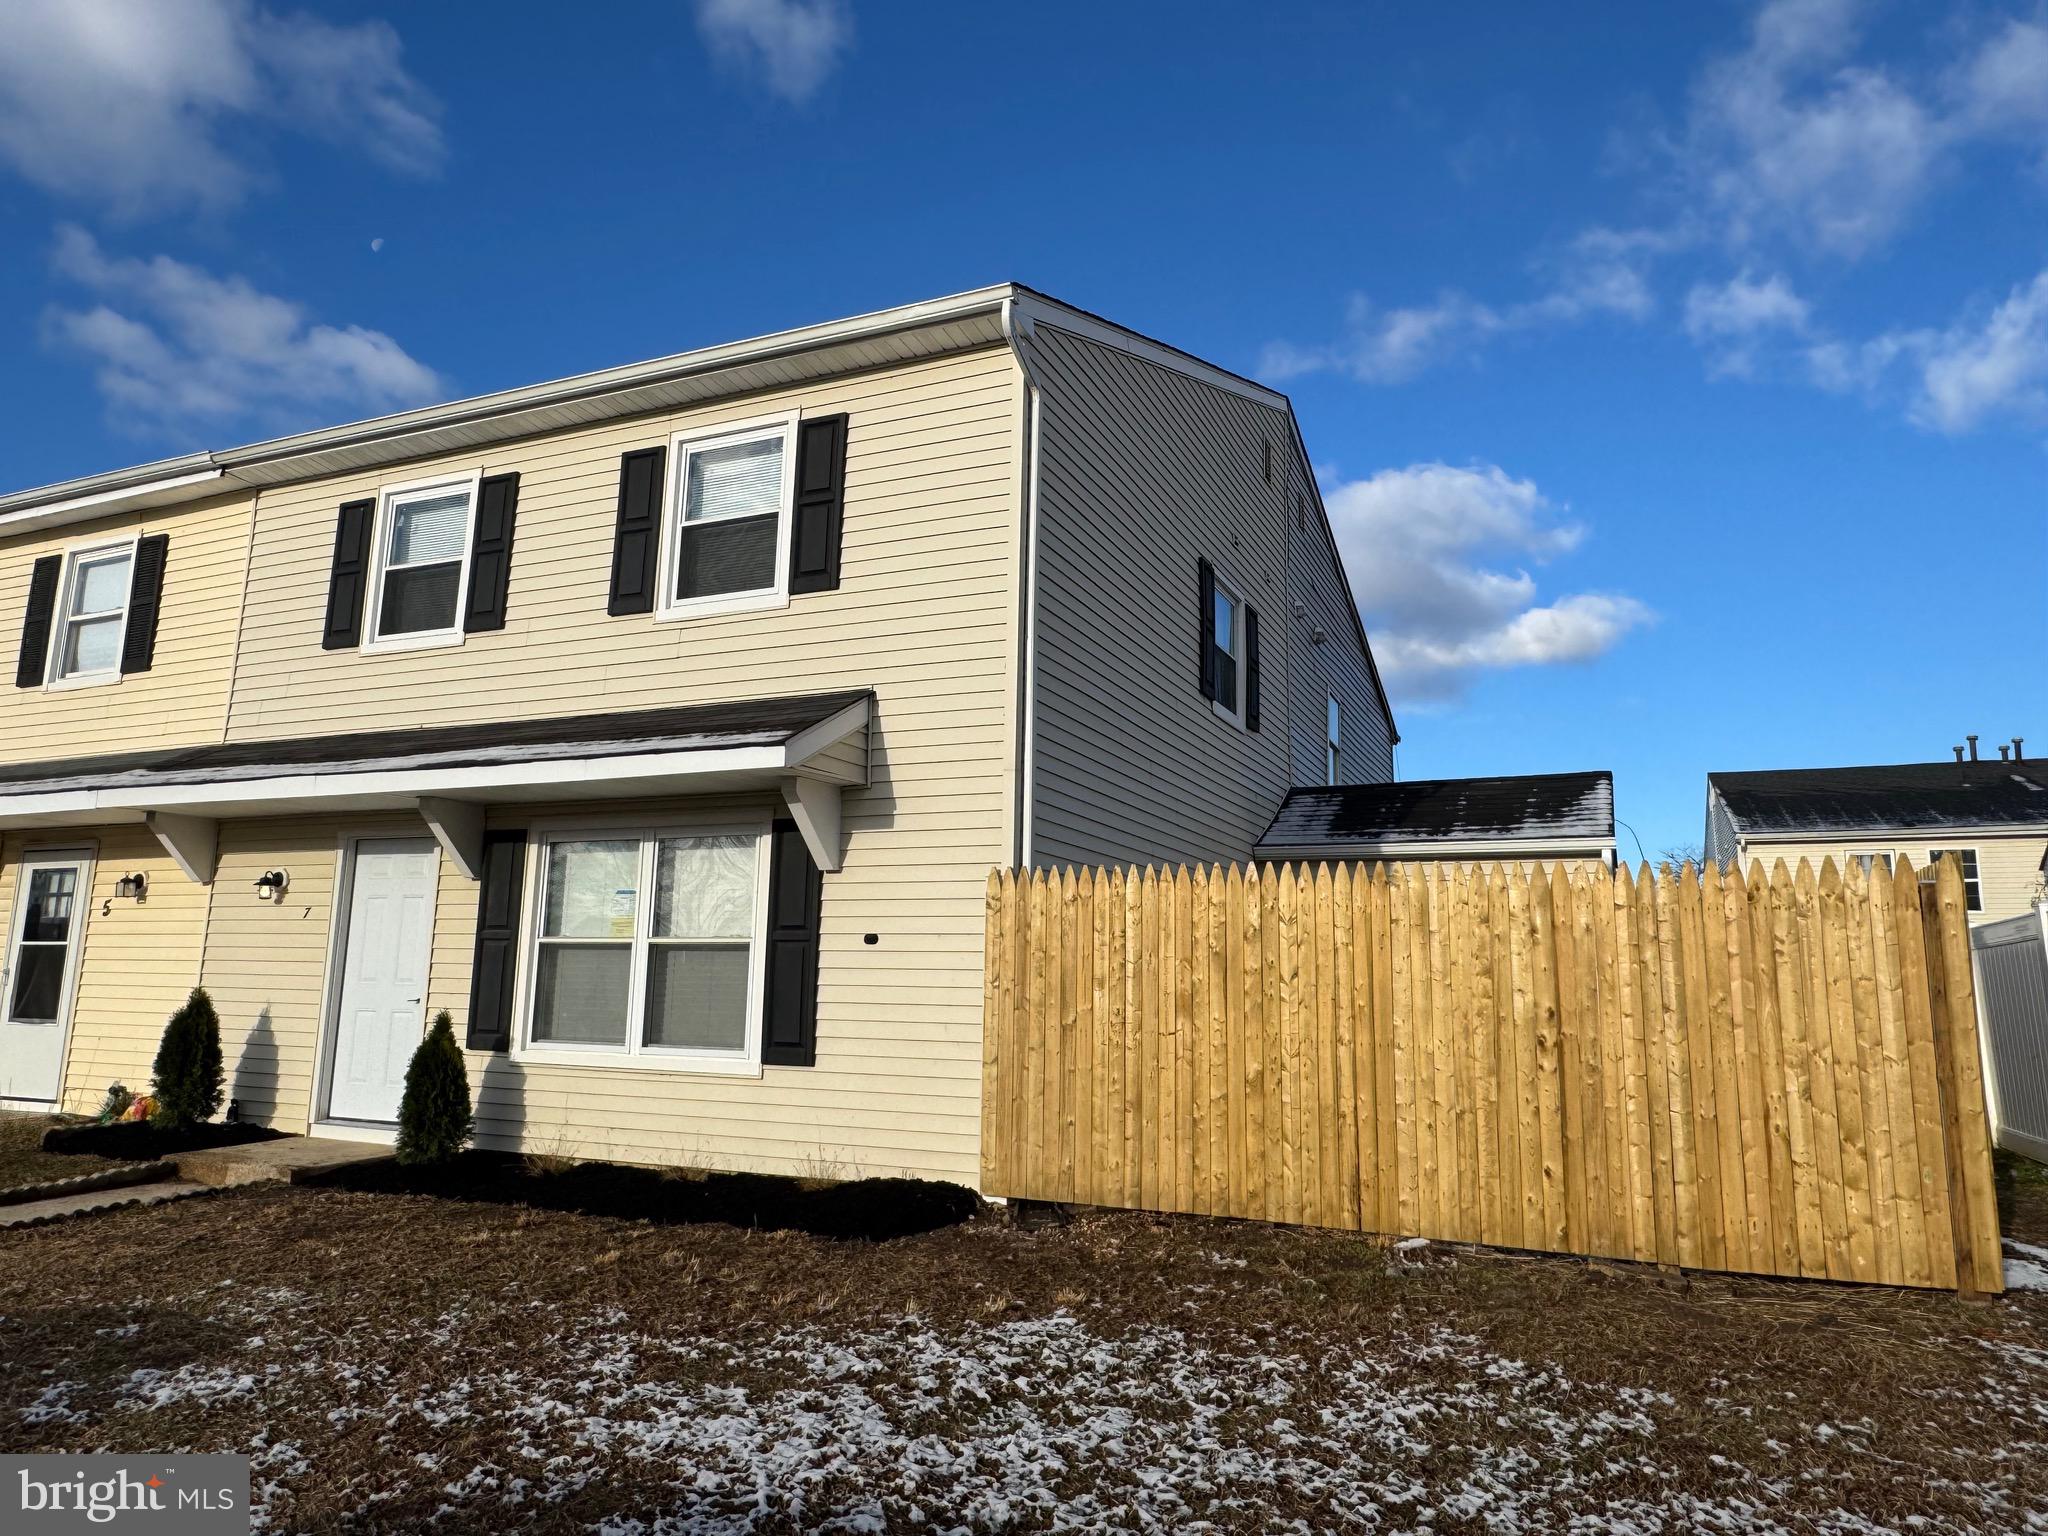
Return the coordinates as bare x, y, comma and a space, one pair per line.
321, 1123
82, 858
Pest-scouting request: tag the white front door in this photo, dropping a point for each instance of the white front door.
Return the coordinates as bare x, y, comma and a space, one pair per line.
42, 963
380, 1012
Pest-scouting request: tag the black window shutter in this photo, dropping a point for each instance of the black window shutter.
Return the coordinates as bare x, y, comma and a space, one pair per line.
35, 623
789, 1026
497, 941
145, 601
820, 504
1251, 668
490, 553
1206, 584
349, 578
641, 477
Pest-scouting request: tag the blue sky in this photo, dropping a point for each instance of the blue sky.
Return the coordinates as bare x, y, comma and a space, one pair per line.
1677, 376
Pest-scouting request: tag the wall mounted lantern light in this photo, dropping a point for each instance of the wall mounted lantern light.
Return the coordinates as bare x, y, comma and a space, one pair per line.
271, 884
132, 887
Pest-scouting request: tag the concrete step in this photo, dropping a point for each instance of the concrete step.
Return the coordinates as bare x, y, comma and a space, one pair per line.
286, 1160
31, 1213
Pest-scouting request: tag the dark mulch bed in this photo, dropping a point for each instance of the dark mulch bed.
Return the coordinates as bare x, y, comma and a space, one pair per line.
141, 1140
876, 1209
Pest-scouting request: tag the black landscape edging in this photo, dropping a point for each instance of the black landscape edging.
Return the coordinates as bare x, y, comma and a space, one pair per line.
141, 1139
873, 1209
117, 1177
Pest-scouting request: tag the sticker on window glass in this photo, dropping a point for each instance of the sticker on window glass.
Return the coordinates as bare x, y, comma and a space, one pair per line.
623, 903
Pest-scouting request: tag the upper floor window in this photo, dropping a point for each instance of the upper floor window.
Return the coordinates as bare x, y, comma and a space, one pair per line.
1874, 862
1333, 747
92, 615
1973, 891
422, 564
727, 541
1229, 643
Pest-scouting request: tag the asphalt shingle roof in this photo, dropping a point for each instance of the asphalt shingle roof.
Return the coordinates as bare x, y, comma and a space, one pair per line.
1931, 795
1546, 807
748, 722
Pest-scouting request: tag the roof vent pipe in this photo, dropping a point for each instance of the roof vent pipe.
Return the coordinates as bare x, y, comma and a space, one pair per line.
2004, 752
1959, 752
2019, 749
1972, 740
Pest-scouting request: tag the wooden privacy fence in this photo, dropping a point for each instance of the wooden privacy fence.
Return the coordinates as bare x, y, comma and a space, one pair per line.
1777, 1076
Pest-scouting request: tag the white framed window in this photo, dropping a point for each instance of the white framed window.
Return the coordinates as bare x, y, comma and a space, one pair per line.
646, 948
725, 534
92, 615
1230, 649
1875, 861
1333, 746
419, 573
1972, 887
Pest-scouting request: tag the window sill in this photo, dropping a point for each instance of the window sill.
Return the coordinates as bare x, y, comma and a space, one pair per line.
439, 640
82, 680
709, 607
1229, 716
610, 1061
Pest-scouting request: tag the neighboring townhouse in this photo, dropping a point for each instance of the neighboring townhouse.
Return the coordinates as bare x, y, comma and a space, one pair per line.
1528, 819
1992, 815
661, 724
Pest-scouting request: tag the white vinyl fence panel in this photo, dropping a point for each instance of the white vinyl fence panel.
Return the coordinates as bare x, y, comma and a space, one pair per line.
2012, 989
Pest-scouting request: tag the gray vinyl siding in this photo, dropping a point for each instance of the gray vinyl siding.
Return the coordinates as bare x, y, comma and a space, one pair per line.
1336, 667
1143, 472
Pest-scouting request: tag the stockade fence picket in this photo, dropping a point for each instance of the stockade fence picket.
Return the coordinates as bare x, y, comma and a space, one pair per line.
1775, 1076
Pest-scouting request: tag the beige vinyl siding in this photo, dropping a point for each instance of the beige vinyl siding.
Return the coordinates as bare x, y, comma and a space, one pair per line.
1142, 471
183, 698
895, 1089
266, 961
140, 959
1336, 667
925, 616
2008, 864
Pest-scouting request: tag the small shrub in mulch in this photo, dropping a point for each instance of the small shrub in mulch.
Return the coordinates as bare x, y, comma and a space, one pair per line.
146, 1140
875, 1209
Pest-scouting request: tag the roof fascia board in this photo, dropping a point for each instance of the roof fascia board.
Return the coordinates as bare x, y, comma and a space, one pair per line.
1034, 308
164, 490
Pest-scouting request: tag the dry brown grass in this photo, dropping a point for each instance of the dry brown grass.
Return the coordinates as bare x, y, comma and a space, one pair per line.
1741, 1377
23, 1160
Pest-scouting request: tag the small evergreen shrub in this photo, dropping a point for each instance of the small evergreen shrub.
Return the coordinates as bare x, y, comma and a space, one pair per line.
188, 1068
434, 1116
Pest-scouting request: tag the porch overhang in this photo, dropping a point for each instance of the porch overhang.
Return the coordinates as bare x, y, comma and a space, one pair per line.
805, 750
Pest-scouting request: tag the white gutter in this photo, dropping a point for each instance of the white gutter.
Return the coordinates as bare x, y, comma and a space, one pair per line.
1913, 834
1016, 330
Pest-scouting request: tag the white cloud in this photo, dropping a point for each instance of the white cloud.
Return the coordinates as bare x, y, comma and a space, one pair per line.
794, 44
1988, 363
1793, 136
1970, 372
1729, 319
1602, 272
176, 347
1435, 558
132, 103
